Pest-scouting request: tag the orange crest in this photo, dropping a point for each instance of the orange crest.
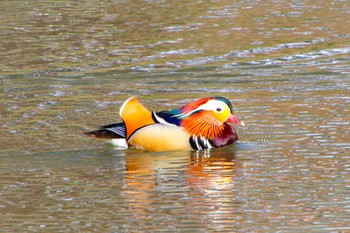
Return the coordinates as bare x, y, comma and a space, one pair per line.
194, 105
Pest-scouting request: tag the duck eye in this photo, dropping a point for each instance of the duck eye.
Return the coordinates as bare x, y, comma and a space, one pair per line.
218, 109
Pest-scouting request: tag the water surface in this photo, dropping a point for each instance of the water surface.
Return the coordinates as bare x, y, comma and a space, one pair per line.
66, 67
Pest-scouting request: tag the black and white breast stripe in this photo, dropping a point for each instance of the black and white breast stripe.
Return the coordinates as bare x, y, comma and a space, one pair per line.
200, 143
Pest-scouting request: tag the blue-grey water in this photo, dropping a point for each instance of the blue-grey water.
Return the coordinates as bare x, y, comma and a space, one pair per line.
66, 67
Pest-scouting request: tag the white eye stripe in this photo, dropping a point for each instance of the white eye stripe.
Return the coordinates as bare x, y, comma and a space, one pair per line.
213, 105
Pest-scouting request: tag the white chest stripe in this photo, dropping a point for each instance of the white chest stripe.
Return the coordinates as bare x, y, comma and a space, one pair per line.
161, 120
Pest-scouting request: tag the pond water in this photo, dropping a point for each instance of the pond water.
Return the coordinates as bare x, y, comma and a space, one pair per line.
66, 67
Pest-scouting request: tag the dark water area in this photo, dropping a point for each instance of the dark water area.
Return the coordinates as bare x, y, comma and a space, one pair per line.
66, 67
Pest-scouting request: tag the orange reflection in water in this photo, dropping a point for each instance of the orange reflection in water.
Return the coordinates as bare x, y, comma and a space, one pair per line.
177, 184
148, 175
209, 170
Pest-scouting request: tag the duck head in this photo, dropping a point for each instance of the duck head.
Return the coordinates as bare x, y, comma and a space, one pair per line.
208, 117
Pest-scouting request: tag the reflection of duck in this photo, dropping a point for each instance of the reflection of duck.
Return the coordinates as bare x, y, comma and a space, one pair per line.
148, 173
146, 170
178, 184
215, 169
202, 124
149, 170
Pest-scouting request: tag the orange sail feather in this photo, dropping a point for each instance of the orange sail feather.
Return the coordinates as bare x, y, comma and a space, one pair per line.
135, 116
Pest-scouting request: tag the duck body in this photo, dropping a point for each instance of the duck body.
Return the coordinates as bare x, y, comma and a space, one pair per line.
203, 124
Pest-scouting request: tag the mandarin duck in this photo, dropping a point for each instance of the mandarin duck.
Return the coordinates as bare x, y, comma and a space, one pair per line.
203, 124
